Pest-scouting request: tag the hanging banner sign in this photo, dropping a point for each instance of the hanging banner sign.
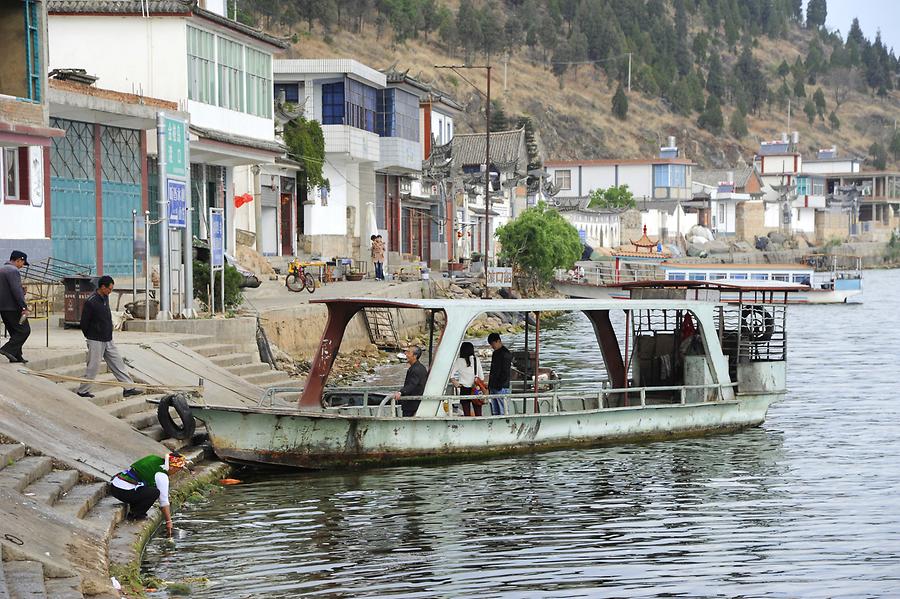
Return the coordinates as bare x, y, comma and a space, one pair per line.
140, 247
175, 191
176, 148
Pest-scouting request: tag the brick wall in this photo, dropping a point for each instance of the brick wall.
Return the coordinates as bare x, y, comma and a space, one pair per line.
749, 221
19, 112
630, 227
830, 225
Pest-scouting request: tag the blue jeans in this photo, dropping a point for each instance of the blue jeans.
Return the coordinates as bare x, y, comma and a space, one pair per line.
497, 408
379, 271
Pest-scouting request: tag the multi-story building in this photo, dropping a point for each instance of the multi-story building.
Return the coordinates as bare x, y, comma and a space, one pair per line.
342, 95
24, 133
216, 70
723, 191
661, 186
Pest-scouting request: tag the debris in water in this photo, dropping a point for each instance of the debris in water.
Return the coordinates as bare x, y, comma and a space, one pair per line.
229, 481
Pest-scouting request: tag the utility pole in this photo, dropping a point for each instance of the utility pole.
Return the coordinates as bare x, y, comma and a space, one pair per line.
629, 74
487, 162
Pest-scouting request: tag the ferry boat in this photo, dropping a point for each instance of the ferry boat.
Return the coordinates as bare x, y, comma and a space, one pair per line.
821, 279
672, 361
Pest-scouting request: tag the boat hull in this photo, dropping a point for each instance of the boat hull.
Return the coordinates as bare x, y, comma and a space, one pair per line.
322, 440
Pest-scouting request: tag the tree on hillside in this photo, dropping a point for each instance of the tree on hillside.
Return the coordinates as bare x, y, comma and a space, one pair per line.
810, 109
715, 80
539, 241
620, 103
682, 98
617, 196
711, 119
819, 99
799, 89
784, 70
816, 12
749, 76
834, 121
879, 156
468, 28
894, 146
738, 124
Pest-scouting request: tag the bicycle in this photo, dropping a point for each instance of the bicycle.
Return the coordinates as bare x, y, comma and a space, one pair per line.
298, 279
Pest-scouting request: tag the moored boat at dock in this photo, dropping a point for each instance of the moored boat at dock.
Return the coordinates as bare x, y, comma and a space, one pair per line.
672, 362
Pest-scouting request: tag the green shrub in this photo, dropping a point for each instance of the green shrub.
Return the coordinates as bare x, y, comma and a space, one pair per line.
233, 280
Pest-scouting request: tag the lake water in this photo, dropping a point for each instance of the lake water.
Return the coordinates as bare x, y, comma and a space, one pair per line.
805, 505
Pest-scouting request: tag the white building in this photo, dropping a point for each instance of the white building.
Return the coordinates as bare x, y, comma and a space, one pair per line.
597, 228
722, 190
342, 95
780, 166
217, 70
661, 187
827, 162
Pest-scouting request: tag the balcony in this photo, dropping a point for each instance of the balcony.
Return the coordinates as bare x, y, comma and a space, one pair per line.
361, 145
400, 156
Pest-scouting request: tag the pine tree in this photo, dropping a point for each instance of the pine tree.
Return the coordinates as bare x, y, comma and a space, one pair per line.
819, 99
681, 98
816, 12
879, 156
810, 109
750, 77
799, 89
784, 70
894, 146
738, 124
834, 121
711, 119
620, 103
715, 80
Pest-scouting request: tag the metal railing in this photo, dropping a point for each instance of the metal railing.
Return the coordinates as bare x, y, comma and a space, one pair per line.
608, 274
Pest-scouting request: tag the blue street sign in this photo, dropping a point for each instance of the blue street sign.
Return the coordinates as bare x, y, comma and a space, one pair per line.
217, 238
582, 234
177, 204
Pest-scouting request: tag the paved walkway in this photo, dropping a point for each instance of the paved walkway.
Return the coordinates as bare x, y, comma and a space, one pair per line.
274, 295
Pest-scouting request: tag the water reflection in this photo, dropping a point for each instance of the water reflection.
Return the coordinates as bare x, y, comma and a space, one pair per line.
803, 506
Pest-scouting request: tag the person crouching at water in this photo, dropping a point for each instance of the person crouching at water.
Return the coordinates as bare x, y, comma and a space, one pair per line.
467, 371
414, 384
145, 482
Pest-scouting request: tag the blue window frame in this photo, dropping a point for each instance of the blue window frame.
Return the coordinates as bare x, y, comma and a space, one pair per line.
738, 276
291, 92
33, 49
676, 276
781, 276
398, 114
760, 276
803, 186
333, 103
669, 175
697, 276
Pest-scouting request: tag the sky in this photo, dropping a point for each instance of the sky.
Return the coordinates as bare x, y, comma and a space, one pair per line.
872, 14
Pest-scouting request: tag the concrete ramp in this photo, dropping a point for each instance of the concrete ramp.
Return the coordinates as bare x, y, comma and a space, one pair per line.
171, 363
57, 423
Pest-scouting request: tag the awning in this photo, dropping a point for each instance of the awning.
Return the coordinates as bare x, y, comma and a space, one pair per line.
13, 134
480, 212
223, 149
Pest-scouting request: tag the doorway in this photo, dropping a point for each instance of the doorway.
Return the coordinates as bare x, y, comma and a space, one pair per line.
287, 239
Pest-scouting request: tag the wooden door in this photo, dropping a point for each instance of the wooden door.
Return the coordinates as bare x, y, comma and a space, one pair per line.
287, 237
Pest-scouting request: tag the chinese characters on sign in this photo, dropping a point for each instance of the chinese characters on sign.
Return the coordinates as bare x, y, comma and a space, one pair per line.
217, 239
177, 204
499, 276
175, 148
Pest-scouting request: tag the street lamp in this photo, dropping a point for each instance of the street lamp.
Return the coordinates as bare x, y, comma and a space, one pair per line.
487, 159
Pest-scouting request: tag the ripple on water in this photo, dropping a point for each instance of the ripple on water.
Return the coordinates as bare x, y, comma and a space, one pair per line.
805, 505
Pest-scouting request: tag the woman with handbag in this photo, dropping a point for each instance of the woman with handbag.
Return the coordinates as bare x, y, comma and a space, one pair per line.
467, 374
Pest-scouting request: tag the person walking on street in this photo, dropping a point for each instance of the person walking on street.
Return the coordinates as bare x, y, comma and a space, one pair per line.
378, 249
97, 326
414, 384
498, 379
145, 482
13, 308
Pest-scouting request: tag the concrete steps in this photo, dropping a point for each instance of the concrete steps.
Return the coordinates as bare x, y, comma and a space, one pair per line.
63, 588
142, 420
10, 453
24, 472
214, 349
234, 359
25, 580
79, 500
52, 486
131, 405
265, 379
245, 370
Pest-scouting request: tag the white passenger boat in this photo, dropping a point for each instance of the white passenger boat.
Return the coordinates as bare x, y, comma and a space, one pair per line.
821, 279
671, 362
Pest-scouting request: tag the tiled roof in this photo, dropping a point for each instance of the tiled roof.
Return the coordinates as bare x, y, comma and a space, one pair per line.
507, 147
713, 177
156, 7
238, 140
618, 161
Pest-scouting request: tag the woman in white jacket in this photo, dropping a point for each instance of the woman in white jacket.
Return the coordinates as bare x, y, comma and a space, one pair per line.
466, 370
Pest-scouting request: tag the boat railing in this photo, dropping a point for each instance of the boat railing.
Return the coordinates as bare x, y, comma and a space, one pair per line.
560, 401
606, 273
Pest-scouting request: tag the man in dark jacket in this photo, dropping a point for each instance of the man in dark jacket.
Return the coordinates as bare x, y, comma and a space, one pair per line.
414, 385
97, 326
498, 379
13, 309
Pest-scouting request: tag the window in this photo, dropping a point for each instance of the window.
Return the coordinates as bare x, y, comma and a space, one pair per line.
669, 175
697, 276
563, 179
738, 276
33, 50
398, 114
722, 220
781, 276
231, 75
201, 66
800, 278
333, 103
291, 92
818, 187
717, 276
361, 103
803, 186
259, 84
676, 276
11, 183
760, 276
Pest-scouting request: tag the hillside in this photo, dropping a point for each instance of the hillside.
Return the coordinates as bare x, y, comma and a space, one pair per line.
572, 111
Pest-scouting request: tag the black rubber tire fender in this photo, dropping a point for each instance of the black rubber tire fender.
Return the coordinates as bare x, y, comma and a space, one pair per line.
188, 425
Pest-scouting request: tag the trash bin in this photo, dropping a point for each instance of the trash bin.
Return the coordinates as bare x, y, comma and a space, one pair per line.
77, 290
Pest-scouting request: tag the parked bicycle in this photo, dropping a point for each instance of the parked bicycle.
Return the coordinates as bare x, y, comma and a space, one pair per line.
298, 278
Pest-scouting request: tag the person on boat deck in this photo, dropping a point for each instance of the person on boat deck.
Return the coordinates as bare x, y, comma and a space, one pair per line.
414, 384
467, 370
145, 482
498, 378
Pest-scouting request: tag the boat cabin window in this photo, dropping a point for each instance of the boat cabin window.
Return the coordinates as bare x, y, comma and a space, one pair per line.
676, 276
697, 276
781, 276
803, 279
760, 276
738, 276
717, 276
